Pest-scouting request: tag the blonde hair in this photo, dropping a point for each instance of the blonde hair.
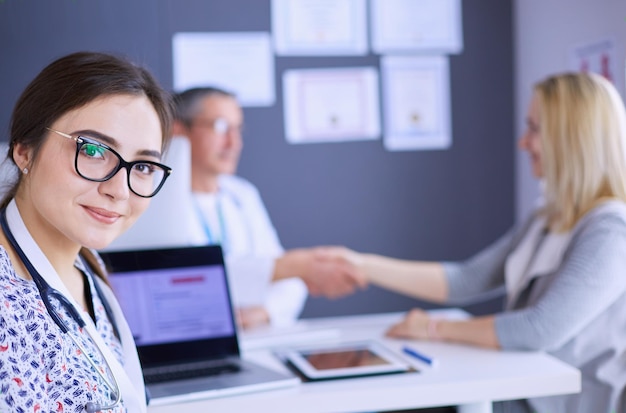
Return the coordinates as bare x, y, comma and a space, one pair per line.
583, 129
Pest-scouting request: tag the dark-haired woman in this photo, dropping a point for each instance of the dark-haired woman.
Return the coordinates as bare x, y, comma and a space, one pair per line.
87, 136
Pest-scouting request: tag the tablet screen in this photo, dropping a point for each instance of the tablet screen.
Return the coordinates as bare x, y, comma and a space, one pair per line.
345, 360
337, 359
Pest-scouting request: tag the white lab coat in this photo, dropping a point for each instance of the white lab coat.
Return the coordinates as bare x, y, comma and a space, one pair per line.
251, 246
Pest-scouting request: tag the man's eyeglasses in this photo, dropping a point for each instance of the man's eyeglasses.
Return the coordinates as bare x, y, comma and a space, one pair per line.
97, 162
220, 126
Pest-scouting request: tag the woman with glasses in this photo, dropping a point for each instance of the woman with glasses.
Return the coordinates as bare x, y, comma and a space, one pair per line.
87, 136
564, 270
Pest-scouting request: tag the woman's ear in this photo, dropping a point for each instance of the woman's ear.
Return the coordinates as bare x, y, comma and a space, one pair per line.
22, 156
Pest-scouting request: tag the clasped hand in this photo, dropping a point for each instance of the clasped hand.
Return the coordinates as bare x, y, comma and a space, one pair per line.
332, 272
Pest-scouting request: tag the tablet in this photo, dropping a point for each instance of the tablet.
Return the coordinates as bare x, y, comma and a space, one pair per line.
345, 360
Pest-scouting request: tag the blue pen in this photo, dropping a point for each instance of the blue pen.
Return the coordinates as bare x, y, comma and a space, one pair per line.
421, 357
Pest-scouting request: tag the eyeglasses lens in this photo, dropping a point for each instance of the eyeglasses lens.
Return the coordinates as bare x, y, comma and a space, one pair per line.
221, 126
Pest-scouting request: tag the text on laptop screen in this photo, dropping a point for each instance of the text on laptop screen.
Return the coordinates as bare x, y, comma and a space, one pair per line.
175, 304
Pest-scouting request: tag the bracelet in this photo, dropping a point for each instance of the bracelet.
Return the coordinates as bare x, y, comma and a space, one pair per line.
431, 329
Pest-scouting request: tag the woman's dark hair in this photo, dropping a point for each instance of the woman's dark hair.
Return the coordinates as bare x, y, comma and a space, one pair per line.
74, 81
71, 82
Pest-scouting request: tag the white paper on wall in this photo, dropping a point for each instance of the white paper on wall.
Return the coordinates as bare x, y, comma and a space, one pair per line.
241, 62
331, 105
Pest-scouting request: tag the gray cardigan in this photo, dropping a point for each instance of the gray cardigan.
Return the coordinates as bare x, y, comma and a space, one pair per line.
576, 313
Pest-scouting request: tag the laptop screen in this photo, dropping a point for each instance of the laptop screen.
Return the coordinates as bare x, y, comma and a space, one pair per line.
176, 302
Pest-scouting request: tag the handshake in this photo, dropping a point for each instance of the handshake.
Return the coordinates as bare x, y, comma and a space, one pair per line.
327, 271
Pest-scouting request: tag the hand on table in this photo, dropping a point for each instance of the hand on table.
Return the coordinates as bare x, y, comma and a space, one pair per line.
249, 317
413, 326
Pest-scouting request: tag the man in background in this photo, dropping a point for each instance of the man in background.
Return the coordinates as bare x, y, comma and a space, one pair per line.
232, 214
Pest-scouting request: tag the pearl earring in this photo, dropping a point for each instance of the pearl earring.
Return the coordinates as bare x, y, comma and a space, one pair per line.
25, 171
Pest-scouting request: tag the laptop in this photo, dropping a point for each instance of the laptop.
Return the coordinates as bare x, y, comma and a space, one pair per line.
178, 306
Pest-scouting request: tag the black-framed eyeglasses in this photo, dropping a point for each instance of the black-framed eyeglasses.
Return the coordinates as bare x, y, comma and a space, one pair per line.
97, 162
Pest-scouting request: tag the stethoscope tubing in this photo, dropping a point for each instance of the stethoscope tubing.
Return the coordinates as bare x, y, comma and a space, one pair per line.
46, 291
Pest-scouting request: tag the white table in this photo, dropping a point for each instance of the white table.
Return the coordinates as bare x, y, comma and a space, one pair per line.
465, 376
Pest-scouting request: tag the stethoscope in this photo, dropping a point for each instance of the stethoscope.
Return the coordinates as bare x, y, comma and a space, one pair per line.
47, 292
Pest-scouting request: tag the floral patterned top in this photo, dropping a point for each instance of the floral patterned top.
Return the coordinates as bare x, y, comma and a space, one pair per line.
41, 368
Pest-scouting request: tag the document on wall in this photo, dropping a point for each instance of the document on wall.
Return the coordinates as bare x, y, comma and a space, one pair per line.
416, 26
331, 105
241, 62
416, 102
319, 27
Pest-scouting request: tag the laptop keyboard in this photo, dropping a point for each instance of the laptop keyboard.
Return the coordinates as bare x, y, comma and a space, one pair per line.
189, 371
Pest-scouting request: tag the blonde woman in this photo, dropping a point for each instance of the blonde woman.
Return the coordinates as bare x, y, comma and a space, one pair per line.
564, 269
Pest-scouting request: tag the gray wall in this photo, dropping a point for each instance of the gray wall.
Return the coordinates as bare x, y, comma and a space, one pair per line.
430, 205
